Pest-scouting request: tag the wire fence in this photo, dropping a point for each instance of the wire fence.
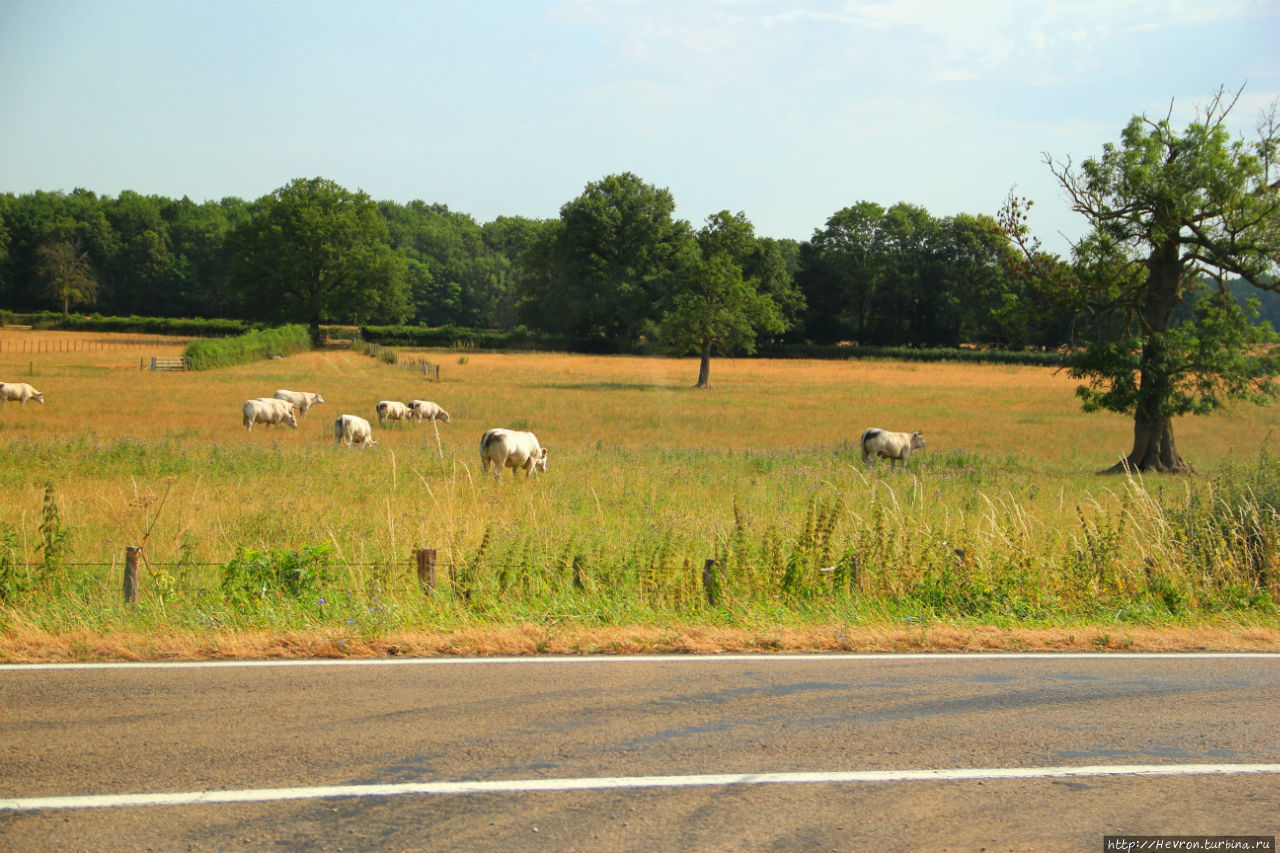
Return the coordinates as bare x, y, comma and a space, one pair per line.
419, 571
56, 345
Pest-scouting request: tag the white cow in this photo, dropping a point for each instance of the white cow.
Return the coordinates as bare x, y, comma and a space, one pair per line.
269, 411
392, 410
506, 448
426, 409
879, 444
302, 399
353, 428
20, 391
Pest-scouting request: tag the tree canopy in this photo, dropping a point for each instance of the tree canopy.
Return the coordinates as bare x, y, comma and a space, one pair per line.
316, 253
1170, 210
723, 302
605, 272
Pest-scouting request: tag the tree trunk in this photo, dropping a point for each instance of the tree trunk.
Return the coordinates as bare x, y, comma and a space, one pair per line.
1154, 449
704, 368
1153, 445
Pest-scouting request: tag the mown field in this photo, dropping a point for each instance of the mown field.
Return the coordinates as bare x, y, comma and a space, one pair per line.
278, 542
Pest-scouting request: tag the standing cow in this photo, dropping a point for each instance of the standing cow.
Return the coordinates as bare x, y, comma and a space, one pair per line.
894, 446
20, 391
506, 448
426, 409
392, 410
348, 429
269, 411
304, 400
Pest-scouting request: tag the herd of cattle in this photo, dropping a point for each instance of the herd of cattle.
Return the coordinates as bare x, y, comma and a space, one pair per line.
499, 448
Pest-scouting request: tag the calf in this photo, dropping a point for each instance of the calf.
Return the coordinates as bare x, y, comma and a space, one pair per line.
505, 448
877, 443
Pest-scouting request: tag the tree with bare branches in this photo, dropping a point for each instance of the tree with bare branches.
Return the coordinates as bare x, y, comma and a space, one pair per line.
1168, 209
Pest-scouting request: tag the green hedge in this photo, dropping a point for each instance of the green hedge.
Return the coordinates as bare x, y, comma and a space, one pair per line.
195, 327
248, 347
460, 336
1051, 358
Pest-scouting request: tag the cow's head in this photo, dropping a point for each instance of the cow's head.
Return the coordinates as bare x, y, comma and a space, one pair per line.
917, 440
541, 464
290, 418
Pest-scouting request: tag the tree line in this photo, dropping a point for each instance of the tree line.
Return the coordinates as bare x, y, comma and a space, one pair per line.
616, 270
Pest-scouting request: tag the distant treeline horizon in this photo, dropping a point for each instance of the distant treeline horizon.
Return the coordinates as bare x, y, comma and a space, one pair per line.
609, 269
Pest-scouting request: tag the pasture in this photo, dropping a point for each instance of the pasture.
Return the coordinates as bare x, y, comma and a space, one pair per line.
999, 521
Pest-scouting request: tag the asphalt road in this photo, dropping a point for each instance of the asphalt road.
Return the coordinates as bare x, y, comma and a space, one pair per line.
606, 724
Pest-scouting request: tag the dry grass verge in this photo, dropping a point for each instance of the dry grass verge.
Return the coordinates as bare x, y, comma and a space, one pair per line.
529, 639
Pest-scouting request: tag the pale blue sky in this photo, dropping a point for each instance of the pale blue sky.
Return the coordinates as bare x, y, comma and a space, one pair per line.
786, 109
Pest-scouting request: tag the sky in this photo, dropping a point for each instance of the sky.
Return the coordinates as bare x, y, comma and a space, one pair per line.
785, 110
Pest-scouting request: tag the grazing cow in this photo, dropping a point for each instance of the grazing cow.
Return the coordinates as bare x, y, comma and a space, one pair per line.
392, 410
302, 399
353, 428
506, 448
269, 411
877, 443
425, 409
20, 391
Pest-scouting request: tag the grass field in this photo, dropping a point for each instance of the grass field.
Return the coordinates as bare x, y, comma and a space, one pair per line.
1001, 526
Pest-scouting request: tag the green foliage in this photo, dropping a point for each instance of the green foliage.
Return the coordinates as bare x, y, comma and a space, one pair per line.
716, 308
314, 252
1169, 209
53, 545
251, 346
176, 326
14, 580
607, 268
900, 276
253, 577
64, 267
460, 337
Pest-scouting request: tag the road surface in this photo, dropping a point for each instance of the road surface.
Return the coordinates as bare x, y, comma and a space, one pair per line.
847, 752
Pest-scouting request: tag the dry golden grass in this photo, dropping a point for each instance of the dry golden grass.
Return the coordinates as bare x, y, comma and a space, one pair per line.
530, 639
635, 451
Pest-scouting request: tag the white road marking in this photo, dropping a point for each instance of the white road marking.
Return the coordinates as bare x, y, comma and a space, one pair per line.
763, 659
510, 786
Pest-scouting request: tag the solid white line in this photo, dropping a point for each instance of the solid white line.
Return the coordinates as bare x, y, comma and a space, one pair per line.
510, 786
690, 658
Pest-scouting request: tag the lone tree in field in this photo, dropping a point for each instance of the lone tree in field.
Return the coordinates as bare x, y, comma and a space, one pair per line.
1169, 209
724, 304
314, 252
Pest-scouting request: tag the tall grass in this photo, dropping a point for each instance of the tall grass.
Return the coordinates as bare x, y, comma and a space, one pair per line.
999, 521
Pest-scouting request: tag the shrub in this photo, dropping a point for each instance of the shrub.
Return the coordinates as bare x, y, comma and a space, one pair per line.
253, 576
265, 343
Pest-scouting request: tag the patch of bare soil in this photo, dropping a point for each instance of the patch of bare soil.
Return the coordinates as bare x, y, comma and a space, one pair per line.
530, 639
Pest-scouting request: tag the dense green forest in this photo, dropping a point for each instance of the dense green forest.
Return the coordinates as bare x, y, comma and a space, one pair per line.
616, 271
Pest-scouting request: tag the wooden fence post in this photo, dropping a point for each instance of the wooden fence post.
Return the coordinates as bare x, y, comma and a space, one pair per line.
131, 574
427, 569
711, 583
